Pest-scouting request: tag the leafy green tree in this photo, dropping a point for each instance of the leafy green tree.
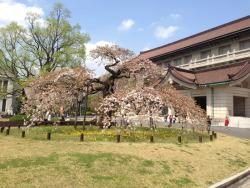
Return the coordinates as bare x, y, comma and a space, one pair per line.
55, 42
42, 46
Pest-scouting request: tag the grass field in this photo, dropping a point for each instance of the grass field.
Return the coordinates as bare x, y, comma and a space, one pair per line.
35, 162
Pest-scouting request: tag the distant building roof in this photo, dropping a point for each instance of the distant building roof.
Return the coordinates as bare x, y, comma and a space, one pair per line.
213, 76
199, 38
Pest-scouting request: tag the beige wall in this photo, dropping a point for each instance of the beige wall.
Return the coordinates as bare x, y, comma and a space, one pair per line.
242, 92
222, 104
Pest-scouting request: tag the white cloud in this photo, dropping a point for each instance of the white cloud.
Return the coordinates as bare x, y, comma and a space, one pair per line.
175, 16
11, 10
92, 64
126, 25
165, 32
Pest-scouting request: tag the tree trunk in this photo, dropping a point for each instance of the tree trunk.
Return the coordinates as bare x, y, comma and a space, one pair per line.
85, 109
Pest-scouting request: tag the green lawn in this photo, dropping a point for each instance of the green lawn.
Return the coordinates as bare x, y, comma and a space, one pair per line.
36, 162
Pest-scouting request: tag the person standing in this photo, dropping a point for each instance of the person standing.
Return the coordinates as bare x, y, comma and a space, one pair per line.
170, 117
49, 117
226, 122
62, 113
209, 122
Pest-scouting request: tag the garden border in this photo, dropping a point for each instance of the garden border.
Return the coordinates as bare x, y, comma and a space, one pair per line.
231, 180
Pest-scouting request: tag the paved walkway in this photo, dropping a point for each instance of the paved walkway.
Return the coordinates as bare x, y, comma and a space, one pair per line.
233, 131
244, 183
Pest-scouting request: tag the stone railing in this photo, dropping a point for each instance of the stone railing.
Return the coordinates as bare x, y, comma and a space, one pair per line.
213, 60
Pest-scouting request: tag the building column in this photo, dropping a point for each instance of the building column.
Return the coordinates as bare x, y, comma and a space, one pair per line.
247, 106
9, 105
1, 103
210, 102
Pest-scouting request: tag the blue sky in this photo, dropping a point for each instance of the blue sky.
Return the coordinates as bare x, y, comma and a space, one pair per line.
102, 18
136, 24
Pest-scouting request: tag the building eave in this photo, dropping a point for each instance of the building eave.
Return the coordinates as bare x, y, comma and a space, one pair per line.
231, 74
217, 33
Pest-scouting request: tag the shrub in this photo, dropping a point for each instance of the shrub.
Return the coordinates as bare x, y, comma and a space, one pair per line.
18, 117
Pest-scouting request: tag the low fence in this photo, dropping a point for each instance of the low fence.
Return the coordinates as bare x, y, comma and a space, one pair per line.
38, 123
49, 136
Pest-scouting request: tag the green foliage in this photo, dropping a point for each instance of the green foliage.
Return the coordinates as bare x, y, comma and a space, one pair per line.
62, 44
42, 46
18, 117
18, 104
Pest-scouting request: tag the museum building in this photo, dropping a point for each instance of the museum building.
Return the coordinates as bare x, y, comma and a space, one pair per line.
213, 67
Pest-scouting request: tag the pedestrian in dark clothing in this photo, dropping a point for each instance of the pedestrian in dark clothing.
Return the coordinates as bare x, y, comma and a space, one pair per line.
170, 117
209, 122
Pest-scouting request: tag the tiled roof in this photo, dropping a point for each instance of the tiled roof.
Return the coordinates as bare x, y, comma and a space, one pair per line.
224, 74
208, 35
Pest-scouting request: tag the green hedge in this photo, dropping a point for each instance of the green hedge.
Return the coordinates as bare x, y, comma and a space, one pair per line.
17, 117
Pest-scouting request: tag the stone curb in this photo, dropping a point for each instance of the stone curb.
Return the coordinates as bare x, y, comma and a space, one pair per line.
231, 180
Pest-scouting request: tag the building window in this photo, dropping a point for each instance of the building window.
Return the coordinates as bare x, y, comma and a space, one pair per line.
187, 59
3, 105
205, 54
239, 106
224, 49
5, 85
244, 44
177, 62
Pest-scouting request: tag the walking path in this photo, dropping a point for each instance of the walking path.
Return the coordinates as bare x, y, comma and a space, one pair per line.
243, 183
233, 131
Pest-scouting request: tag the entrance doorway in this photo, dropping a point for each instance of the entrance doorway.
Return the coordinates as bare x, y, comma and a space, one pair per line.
202, 102
239, 106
